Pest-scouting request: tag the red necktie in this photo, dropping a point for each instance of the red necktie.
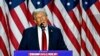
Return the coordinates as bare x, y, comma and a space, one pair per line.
44, 40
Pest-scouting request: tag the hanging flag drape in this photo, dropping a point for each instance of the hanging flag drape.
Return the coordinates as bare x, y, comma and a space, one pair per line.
79, 21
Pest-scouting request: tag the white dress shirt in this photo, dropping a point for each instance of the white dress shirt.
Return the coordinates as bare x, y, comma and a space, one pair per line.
40, 37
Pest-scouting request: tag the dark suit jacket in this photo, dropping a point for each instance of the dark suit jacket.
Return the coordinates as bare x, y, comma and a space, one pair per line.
30, 39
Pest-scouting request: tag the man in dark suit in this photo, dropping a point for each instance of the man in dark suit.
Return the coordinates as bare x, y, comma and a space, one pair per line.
33, 37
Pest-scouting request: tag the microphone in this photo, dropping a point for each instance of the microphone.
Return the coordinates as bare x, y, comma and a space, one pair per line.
42, 26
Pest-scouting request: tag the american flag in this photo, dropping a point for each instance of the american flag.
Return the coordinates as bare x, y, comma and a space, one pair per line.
4, 43
17, 22
90, 28
79, 21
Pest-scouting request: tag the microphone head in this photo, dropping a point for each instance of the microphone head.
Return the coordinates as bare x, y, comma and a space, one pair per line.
42, 26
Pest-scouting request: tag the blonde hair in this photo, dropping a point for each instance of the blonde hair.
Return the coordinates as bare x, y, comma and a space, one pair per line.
37, 11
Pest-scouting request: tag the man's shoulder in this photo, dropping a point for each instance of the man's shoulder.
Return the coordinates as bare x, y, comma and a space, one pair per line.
53, 28
30, 28
34, 27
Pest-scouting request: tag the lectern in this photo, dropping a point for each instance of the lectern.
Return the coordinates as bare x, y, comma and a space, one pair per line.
43, 53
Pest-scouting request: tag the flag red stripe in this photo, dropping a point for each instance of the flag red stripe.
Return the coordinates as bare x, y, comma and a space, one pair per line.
67, 30
23, 8
30, 18
3, 47
93, 20
97, 4
79, 8
10, 37
83, 46
17, 21
13, 39
51, 5
27, 13
90, 38
3, 21
75, 21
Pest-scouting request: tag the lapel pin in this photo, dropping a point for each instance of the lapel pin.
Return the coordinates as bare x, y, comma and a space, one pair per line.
51, 30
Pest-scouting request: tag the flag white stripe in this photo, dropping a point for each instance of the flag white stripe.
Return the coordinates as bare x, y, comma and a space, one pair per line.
12, 48
49, 14
21, 16
4, 37
91, 28
2, 3
56, 21
31, 7
2, 8
93, 32
88, 44
68, 20
82, 53
1, 54
15, 29
2, 30
95, 13
12, 24
78, 16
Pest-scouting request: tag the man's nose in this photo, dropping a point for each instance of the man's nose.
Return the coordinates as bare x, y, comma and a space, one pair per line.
42, 19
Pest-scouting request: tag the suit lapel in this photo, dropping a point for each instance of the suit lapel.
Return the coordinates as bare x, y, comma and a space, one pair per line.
50, 37
36, 38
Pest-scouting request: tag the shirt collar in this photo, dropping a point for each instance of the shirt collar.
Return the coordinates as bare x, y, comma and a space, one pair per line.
46, 28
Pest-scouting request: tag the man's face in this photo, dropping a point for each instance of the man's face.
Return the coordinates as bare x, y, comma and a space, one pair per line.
41, 17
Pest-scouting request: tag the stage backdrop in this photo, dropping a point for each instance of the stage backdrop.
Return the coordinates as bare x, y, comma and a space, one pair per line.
79, 21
